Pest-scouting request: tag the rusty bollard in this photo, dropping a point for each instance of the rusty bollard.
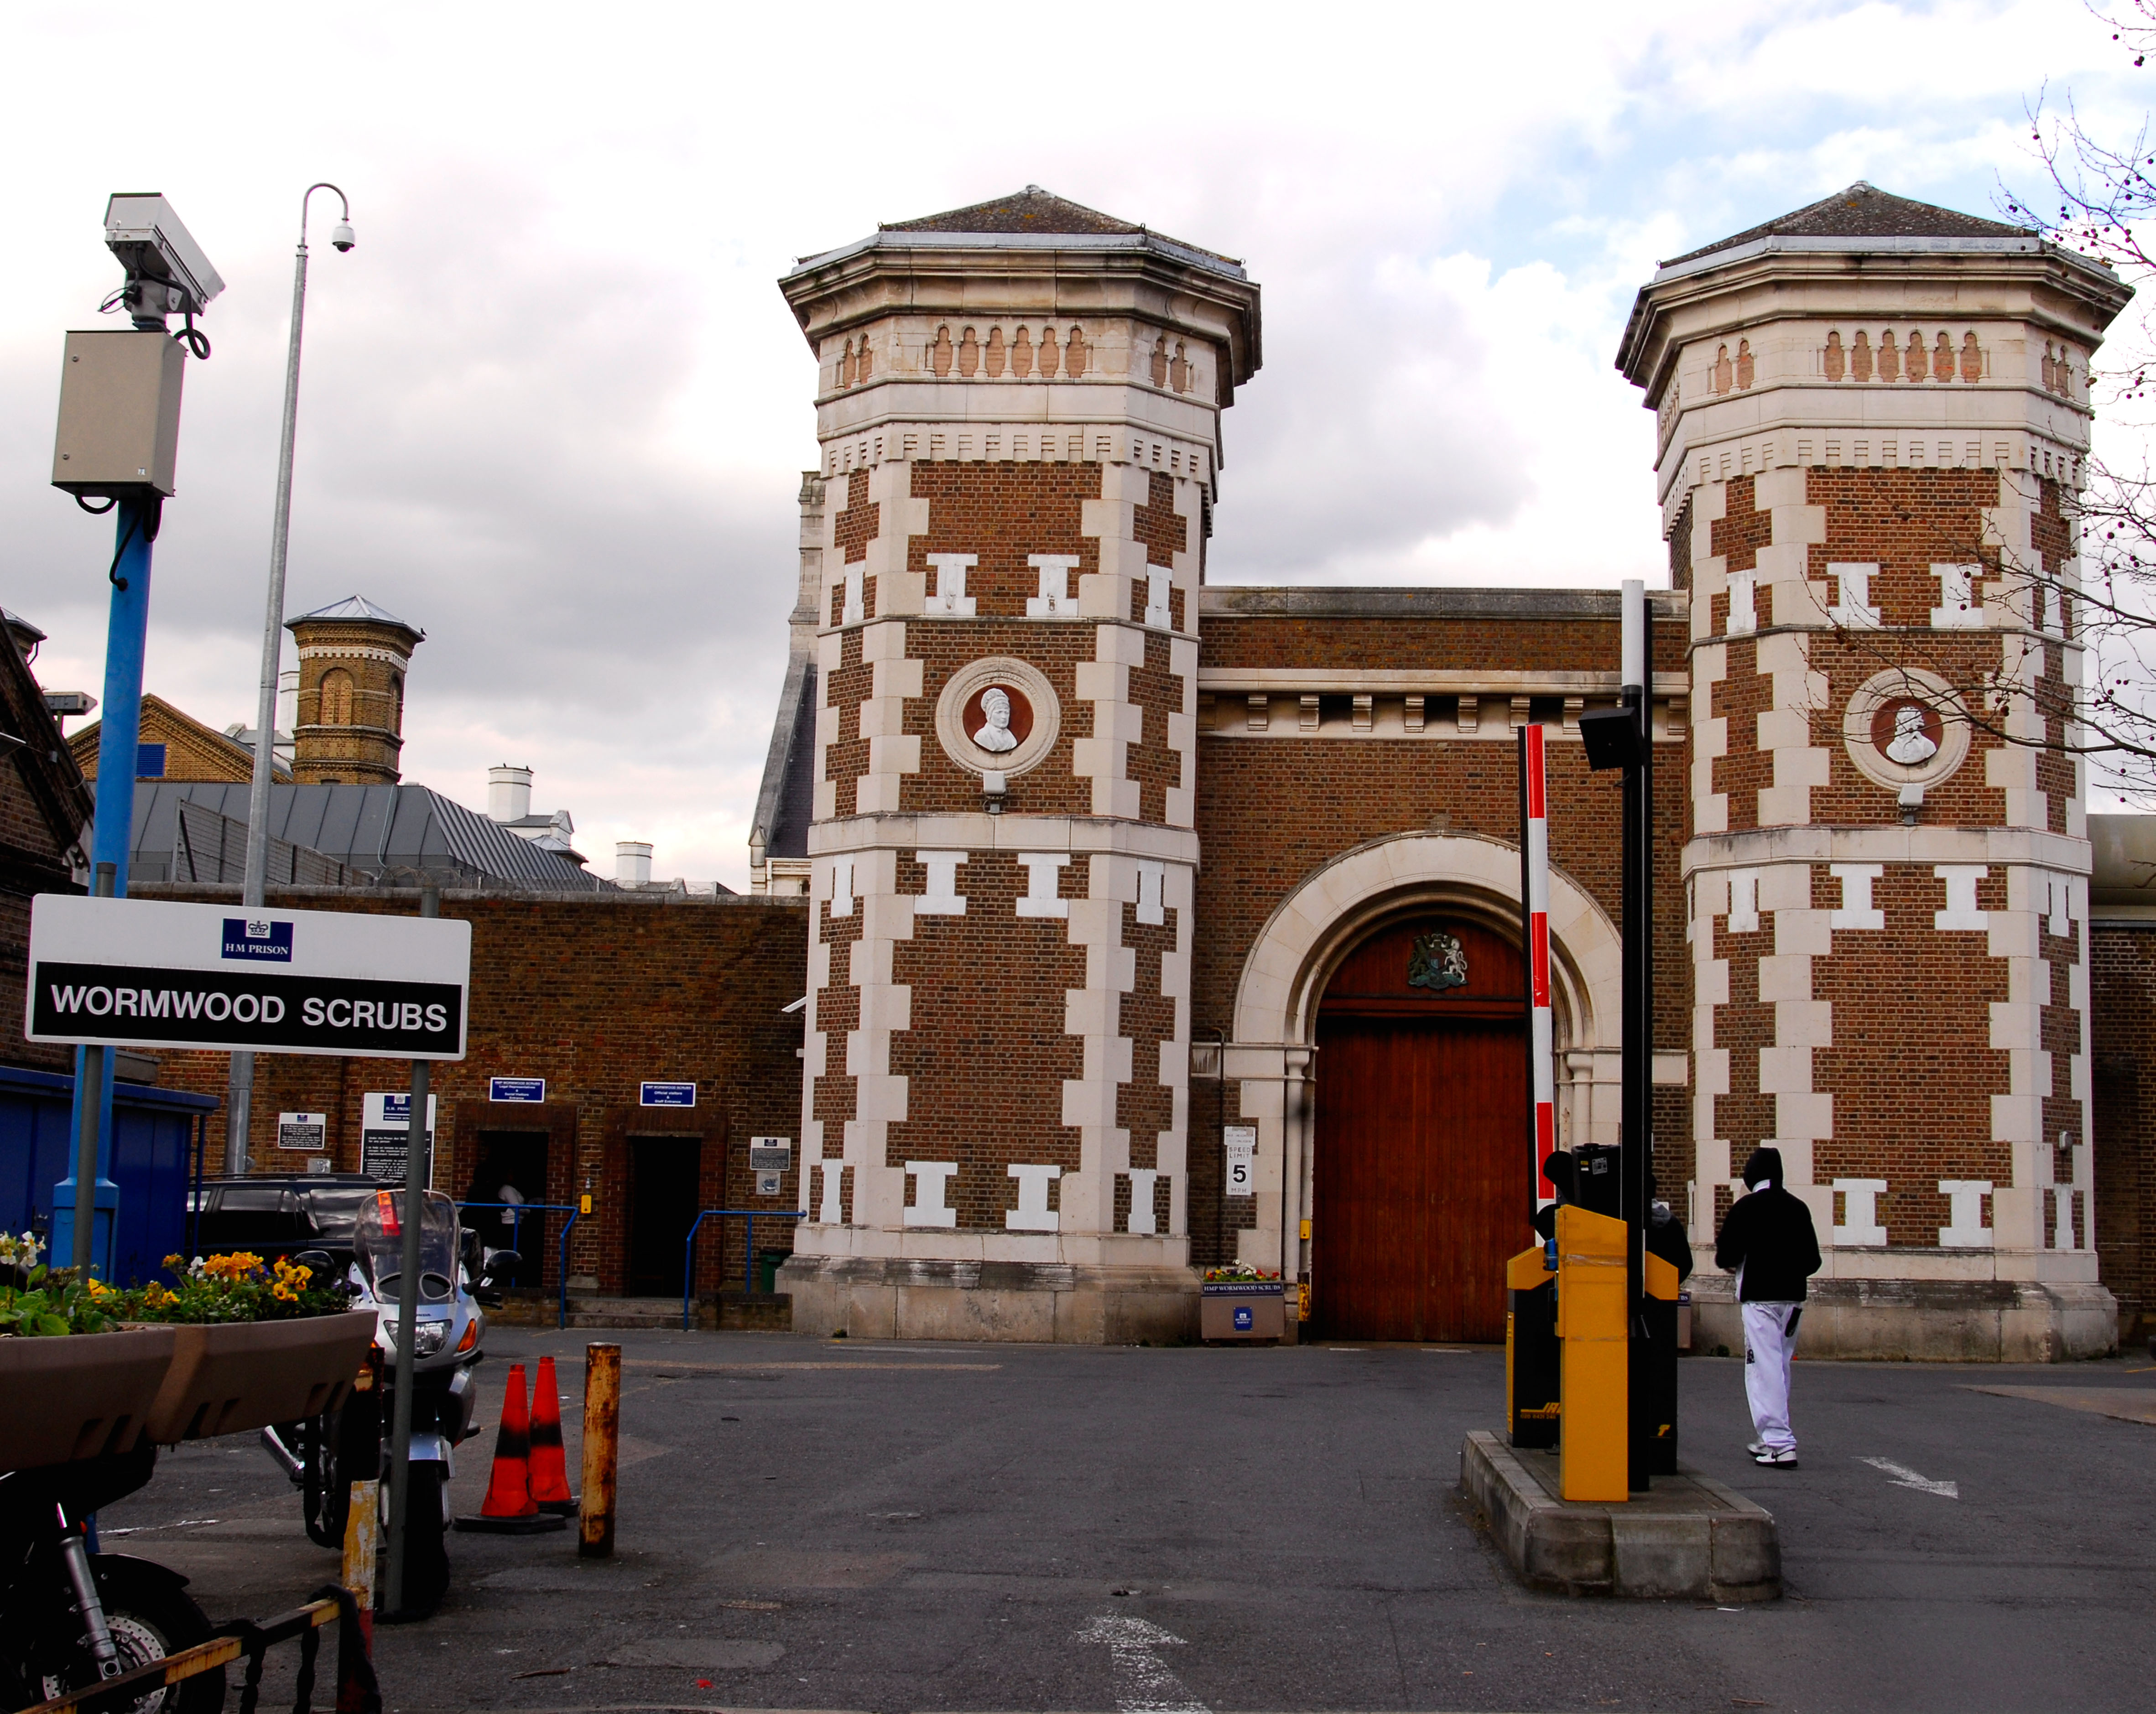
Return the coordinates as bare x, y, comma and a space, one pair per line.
602, 1429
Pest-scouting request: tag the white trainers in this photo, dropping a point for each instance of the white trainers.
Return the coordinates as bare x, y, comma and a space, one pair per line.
1756, 1447
1786, 1458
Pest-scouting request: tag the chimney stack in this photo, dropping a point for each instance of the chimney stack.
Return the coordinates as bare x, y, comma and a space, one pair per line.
631, 863
508, 792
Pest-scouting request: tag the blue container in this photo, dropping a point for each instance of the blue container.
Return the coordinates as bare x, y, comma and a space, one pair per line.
152, 1164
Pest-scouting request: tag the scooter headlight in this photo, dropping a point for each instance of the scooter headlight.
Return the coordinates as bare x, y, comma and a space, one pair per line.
428, 1338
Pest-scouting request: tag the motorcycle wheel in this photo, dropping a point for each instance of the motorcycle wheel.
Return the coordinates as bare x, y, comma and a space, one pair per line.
151, 1620
426, 1545
326, 1491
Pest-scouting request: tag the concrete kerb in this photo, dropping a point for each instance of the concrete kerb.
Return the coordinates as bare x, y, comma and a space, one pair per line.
1689, 1538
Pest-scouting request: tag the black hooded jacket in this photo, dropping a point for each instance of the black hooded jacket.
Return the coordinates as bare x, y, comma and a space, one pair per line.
1769, 1235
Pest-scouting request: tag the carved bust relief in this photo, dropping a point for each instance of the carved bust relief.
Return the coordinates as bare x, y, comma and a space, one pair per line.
998, 714
1905, 727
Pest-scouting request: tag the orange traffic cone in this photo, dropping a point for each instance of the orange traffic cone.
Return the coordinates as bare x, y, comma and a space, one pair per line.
508, 1509
550, 1473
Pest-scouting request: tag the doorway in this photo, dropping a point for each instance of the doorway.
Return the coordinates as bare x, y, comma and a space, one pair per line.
663, 1179
511, 1168
1422, 1175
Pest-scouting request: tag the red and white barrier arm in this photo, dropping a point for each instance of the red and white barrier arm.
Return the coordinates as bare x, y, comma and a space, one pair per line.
1538, 967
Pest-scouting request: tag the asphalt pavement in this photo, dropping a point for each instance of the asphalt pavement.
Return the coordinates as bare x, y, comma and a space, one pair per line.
847, 1525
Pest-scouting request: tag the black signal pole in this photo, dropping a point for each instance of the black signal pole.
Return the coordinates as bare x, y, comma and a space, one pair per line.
1623, 737
1639, 1036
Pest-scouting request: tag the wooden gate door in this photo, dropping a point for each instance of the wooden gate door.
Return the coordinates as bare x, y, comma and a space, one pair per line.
1421, 1169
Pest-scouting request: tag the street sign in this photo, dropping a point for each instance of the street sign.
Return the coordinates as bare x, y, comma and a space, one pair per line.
1241, 1142
516, 1089
666, 1095
148, 972
385, 1134
303, 1130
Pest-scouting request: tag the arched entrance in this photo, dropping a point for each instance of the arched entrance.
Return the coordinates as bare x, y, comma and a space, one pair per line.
1421, 1171
1280, 1073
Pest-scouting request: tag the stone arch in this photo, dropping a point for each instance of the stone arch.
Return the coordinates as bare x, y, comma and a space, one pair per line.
1317, 925
1271, 1052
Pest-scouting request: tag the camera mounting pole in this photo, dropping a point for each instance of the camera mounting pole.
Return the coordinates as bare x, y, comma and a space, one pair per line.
239, 1089
119, 429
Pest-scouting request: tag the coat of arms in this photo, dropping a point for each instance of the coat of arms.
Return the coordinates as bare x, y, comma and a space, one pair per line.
1437, 961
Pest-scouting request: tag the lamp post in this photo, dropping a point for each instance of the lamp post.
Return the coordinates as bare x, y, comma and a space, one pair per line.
240, 1089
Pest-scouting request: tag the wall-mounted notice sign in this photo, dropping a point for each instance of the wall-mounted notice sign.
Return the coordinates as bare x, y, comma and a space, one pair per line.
150, 972
666, 1095
1241, 1142
303, 1130
385, 1134
768, 1158
516, 1089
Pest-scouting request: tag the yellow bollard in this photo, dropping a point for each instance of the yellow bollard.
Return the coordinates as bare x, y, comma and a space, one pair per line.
362, 1543
1593, 1446
601, 1431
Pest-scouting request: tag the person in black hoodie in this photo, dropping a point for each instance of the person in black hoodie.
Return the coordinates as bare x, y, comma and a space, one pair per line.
1768, 1242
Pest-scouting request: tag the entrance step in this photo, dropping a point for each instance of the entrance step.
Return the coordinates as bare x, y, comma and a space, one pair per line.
1687, 1537
624, 1312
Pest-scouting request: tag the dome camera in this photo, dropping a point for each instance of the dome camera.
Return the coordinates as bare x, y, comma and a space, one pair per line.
341, 238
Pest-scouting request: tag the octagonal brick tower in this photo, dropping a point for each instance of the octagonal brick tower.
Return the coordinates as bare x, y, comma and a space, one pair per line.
1873, 415
1019, 406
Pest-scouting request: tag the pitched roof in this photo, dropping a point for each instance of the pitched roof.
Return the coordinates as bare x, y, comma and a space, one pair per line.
355, 607
384, 833
1863, 210
1034, 210
206, 754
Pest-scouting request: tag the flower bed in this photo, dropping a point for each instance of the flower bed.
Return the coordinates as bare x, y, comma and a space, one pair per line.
237, 1343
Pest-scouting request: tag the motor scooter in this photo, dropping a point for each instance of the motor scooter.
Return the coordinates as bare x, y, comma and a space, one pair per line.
325, 1454
70, 1617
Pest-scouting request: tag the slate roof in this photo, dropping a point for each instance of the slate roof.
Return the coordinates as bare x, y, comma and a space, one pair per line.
1034, 210
1863, 210
389, 833
355, 606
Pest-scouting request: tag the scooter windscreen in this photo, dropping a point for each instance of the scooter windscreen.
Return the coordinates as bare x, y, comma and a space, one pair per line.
379, 1242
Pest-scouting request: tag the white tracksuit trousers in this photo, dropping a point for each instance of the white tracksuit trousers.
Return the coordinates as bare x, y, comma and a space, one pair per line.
1770, 1342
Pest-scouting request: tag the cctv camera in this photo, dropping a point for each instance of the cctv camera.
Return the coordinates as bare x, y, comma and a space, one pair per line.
341, 238
143, 233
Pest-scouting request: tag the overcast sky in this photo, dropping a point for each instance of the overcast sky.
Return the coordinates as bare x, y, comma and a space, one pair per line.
554, 410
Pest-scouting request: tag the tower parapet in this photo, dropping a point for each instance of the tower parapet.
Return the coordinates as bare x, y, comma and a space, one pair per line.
1872, 417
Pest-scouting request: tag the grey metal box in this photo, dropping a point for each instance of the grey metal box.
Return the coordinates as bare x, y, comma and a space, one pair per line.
120, 413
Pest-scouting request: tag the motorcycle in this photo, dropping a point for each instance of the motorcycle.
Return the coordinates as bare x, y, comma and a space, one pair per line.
69, 1617
325, 1454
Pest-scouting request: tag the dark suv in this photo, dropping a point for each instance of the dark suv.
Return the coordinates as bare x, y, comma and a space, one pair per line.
280, 1216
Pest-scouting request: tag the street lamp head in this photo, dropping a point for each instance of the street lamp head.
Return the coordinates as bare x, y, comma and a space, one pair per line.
341, 238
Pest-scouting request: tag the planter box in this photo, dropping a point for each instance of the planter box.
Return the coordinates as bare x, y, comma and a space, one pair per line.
80, 1395
1253, 1309
235, 1375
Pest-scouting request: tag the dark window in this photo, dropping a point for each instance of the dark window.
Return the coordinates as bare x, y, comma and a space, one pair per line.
149, 761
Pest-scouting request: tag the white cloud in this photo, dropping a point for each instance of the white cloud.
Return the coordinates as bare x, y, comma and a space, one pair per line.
554, 410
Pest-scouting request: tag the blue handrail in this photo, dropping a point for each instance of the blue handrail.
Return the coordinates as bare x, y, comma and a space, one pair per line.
748, 1249
516, 1211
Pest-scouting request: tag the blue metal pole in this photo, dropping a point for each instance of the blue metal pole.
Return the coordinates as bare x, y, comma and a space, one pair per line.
748, 1255
564, 1320
127, 627
689, 1266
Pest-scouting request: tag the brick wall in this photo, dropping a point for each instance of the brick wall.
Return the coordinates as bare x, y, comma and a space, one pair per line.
595, 994
2123, 1127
